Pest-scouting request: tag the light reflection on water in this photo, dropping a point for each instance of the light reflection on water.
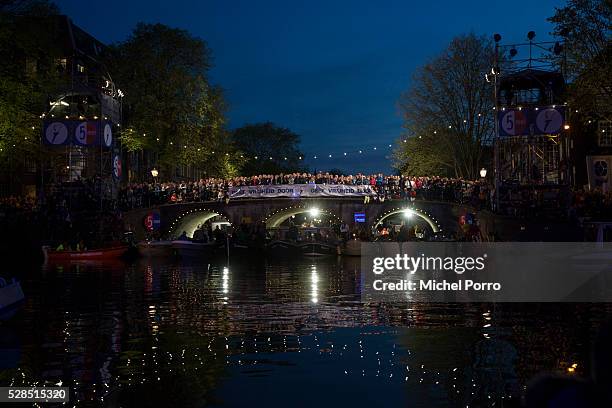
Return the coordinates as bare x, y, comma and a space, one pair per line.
272, 332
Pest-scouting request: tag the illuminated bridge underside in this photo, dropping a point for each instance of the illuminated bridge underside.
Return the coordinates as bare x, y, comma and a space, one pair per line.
278, 217
440, 217
190, 222
413, 211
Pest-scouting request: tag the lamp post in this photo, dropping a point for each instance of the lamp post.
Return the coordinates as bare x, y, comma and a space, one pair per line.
483, 172
155, 173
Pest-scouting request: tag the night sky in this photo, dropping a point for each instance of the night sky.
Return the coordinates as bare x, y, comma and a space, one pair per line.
332, 71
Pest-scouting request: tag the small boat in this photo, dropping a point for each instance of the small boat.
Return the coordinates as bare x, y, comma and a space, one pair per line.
283, 247
11, 297
155, 248
316, 248
190, 249
352, 247
89, 254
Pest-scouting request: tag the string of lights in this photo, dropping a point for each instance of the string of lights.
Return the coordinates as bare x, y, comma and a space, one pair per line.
318, 155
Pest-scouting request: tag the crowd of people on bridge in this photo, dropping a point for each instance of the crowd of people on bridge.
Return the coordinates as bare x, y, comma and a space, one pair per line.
57, 212
385, 187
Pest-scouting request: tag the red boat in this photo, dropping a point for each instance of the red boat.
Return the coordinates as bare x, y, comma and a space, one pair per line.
90, 254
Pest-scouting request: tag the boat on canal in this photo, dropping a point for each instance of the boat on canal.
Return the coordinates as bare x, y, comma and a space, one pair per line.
192, 249
152, 249
281, 246
100, 254
11, 296
318, 248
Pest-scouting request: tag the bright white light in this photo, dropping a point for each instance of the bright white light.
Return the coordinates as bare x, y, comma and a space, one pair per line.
314, 212
314, 286
483, 172
408, 213
225, 280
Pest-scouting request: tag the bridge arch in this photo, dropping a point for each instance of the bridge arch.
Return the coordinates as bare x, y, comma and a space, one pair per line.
276, 218
424, 215
189, 220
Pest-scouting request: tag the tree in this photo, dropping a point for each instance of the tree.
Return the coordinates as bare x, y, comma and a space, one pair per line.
38, 8
268, 149
27, 77
585, 25
448, 112
170, 107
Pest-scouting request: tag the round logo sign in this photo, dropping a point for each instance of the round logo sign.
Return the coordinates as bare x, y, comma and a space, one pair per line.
601, 168
57, 133
152, 221
117, 167
514, 122
85, 133
549, 121
108, 135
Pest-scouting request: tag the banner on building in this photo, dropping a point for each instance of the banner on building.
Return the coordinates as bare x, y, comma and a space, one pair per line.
107, 135
301, 190
543, 120
77, 132
152, 221
599, 169
117, 167
86, 133
56, 133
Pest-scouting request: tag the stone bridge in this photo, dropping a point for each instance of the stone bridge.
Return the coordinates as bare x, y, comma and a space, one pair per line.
176, 218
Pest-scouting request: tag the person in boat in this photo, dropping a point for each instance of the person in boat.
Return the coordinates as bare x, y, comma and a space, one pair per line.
183, 237
344, 231
81, 246
404, 233
198, 234
219, 235
292, 235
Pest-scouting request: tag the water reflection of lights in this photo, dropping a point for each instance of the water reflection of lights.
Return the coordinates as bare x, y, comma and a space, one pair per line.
225, 283
314, 278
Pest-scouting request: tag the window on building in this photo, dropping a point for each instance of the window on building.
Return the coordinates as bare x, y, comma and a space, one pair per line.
80, 68
528, 96
604, 130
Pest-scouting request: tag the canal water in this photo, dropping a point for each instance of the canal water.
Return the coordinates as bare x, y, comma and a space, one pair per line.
276, 333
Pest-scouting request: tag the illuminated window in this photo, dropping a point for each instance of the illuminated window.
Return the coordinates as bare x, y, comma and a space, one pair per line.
80, 68
604, 129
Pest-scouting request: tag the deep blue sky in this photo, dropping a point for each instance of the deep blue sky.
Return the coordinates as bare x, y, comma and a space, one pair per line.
331, 71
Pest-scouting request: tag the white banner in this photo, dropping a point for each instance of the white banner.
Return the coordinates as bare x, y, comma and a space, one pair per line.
301, 190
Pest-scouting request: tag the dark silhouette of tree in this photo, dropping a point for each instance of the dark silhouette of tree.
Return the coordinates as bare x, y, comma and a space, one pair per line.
586, 26
27, 77
448, 112
170, 106
268, 149
37, 8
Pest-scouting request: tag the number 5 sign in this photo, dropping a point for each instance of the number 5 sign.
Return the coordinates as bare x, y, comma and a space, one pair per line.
513, 122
